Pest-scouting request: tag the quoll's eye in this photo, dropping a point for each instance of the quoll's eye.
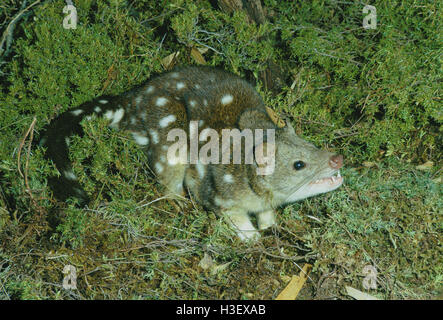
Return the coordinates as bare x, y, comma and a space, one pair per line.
298, 165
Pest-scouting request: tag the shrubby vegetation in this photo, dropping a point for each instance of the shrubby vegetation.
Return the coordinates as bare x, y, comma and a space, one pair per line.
373, 95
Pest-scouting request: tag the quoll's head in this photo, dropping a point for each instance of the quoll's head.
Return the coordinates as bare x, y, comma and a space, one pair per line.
300, 169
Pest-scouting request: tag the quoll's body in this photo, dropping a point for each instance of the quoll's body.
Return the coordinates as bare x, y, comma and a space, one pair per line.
214, 99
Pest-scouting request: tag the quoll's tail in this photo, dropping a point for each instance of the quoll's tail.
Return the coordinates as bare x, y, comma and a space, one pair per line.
56, 141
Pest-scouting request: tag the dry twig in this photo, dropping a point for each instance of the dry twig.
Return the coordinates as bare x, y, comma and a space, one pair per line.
24, 175
7, 34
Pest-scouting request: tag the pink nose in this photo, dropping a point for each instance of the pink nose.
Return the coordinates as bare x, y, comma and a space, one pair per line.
336, 161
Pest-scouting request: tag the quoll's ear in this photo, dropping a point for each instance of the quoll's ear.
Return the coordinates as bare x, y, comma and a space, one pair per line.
264, 157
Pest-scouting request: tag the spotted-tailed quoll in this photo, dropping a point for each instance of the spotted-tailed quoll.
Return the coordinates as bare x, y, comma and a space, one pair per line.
215, 103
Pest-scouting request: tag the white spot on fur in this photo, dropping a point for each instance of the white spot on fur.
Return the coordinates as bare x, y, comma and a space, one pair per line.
174, 75
228, 178
205, 102
227, 99
109, 114
162, 158
192, 103
98, 109
180, 85
140, 139
197, 86
103, 101
158, 167
201, 122
164, 122
115, 117
149, 89
161, 102
138, 100
69, 175
77, 112
68, 141
119, 115
154, 135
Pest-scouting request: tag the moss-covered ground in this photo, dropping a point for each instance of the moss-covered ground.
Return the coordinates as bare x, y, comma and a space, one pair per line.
373, 95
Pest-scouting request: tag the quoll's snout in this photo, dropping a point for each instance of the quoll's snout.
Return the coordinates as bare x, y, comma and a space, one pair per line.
336, 161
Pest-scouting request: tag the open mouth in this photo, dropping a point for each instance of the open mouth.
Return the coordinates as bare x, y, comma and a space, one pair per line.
334, 180
331, 181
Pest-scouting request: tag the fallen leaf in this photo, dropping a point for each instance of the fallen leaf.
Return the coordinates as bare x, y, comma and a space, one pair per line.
195, 53
219, 268
358, 295
295, 285
274, 117
169, 61
425, 166
206, 262
368, 164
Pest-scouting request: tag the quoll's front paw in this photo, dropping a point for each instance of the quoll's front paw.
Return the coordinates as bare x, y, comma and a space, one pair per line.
240, 221
266, 219
248, 235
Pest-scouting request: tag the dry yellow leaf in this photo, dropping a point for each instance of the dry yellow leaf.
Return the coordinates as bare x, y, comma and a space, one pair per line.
277, 121
195, 53
206, 262
358, 295
169, 61
368, 164
215, 269
294, 286
425, 166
